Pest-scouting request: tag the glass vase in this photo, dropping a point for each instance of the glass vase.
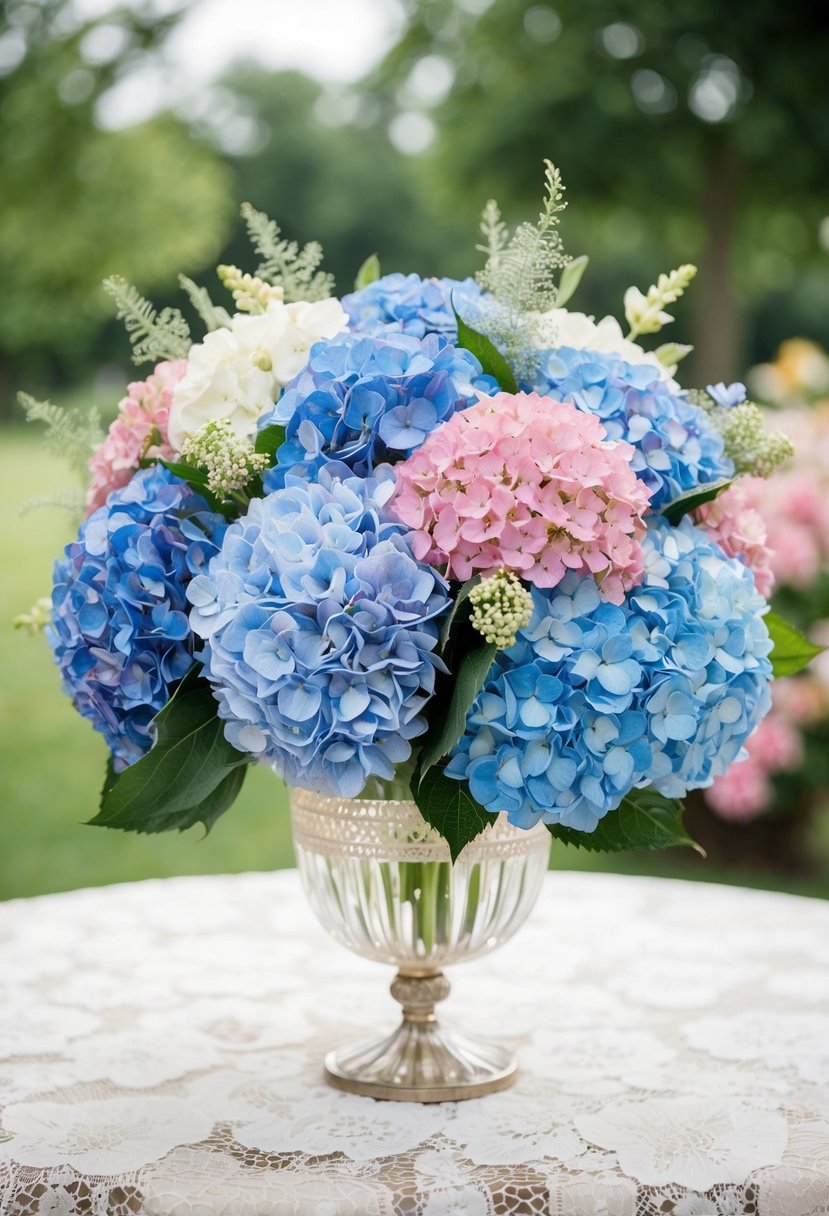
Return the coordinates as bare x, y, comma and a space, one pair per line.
381, 882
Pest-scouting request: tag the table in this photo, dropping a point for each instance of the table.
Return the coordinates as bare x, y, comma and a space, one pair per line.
161, 1044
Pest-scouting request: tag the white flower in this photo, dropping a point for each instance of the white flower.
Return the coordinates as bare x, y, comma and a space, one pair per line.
559, 327
237, 373
642, 314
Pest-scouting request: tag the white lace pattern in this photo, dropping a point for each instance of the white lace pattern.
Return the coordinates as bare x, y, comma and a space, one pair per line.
161, 1046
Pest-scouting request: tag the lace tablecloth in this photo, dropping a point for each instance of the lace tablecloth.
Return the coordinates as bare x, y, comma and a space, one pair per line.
160, 1048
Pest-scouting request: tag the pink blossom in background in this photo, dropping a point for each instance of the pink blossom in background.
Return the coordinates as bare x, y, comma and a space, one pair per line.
740, 531
145, 407
529, 484
795, 501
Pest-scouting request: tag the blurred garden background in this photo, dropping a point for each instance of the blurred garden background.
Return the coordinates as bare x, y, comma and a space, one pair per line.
130, 134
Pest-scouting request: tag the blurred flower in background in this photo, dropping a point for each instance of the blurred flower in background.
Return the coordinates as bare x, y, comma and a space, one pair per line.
786, 767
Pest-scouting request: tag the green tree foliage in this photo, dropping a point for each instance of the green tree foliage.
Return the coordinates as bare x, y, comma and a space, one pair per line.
79, 202
339, 182
685, 131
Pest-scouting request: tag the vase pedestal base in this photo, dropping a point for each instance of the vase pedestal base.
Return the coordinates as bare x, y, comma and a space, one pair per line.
420, 1061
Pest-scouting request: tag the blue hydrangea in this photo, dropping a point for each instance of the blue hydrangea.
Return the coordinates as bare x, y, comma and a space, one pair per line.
676, 447
119, 629
320, 631
365, 401
405, 303
595, 699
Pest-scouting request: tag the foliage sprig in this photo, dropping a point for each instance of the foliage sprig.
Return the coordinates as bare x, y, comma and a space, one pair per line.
154, 336
71, 434
284, 264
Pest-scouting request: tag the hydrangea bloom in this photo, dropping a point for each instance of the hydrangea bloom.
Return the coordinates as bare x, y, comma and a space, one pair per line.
676, 446
406, 303
320, 630
529, 484
237, 372
746, 790
144, 410
119, 611
740, 531
363, 401
595, 698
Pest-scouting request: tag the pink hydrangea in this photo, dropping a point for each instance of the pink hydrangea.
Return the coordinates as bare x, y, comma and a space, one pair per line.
527, 484
740, 531
746, 790
795, 501
145, 409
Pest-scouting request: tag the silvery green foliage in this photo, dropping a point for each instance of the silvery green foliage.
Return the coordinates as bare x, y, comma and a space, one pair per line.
521, 273
72, 434
154, 336
283, 263
213, 315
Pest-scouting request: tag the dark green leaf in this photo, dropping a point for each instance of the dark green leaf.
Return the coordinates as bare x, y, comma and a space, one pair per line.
196, 479
792, 651
570, 279
457, 614
487, 354
369, 272
448, 727
190, 775
691, 499
187, 472
269, 439
644, 820
450, 808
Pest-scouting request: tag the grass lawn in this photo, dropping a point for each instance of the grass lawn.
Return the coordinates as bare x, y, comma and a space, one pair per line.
52, 762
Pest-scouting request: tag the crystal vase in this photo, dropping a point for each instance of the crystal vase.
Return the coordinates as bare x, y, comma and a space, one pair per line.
381, 882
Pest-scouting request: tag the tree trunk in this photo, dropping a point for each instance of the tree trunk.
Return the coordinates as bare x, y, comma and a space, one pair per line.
716, 322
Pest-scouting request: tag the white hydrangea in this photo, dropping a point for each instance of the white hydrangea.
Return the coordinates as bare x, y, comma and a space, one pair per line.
559, 327
236, 373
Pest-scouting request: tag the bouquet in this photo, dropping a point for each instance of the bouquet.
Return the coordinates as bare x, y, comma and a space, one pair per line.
439, 540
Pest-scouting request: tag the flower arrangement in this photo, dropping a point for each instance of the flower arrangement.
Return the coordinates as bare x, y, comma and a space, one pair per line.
441, 540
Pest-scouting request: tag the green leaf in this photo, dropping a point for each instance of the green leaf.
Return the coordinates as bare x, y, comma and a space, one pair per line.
190, 775
369, 272
570, 279
456, 615
448, 727
449, 807
644, 820
269, 439
196, 479
490, 358
792, 651
187, 472
691, 499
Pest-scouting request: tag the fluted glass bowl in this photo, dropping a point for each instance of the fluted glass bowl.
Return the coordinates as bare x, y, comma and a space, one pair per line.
381, 882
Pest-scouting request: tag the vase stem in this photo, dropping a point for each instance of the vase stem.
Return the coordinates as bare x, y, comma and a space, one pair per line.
418, 993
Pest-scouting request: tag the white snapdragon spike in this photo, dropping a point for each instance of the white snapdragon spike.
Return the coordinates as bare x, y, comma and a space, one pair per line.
645, 313
236, 374
559, 327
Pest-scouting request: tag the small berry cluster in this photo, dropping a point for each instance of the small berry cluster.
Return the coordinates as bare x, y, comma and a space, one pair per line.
228, 461
501, 605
